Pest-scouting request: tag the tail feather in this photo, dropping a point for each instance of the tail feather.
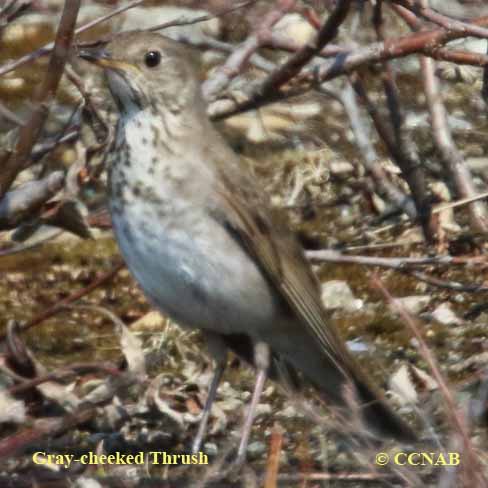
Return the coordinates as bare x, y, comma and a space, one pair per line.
300, 356
379, 416
324, 375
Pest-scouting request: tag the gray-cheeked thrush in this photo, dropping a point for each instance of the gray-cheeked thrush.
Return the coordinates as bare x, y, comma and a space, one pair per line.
202, 240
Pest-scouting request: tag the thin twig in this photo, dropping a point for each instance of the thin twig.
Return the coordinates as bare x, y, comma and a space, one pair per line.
370, 158
273, 463
29, 133
202, 18
344, 63
345, 477
241, 55
66, 372
454, 162
47, 48
61, 305
295, 63
448, 23
397, 263
6, 113
405, 265
455, 416
26, 199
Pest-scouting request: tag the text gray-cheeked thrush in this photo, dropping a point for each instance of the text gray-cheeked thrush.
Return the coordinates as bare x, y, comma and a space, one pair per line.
205, 245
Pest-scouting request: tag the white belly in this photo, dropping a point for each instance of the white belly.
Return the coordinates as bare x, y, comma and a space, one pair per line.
185, 261
199, 276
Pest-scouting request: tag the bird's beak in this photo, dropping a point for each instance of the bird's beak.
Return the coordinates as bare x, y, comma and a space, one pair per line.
100, 57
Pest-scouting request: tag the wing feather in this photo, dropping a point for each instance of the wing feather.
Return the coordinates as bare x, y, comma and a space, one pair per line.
268, 239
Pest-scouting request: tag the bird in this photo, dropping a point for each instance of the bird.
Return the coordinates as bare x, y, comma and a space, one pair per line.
206, 246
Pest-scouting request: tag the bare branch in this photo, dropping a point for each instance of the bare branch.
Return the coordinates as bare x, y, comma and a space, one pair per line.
451, 157
370, 158
296, 62
397, 263
457, 419
243, 53
10, 116
448, 23
29, 133
344, 63
47, 48
23, 202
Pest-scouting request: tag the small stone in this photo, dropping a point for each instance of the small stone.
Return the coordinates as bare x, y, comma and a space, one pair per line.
341, 168
263, 409
337, 294
413, 304
295, 27
356, 346
402, 387
12, 85
288, 412
457, 74
12, 410
152, 321
459, 298
477, 164
210, 448
13, 34
445, 316
85, 482
255, 449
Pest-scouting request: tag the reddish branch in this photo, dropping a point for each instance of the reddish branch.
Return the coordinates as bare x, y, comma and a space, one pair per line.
29, 133
268, 90
434, 50
450, 155
51, 427
57, 307
454, 414
426, 42
448, 23
46, 49
234, 64
61, 374
295, 63
273, 463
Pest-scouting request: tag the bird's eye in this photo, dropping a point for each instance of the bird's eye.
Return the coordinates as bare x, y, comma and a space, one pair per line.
152, 58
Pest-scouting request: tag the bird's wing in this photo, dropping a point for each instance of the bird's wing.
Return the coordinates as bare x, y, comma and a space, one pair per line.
245, 212
240, 206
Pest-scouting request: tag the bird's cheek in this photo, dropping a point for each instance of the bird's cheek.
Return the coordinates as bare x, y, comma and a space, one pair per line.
121, 90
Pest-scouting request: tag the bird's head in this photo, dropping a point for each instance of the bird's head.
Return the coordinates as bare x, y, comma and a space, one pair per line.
147, 71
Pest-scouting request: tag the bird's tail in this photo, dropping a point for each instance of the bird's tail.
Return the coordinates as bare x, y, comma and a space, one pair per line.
331, 382
380, 417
